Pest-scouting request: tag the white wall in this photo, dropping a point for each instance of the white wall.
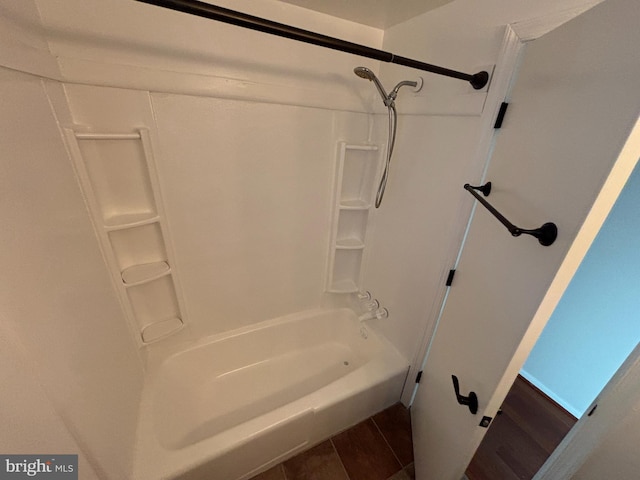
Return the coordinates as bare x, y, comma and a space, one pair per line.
594, 327
419, 226
617, 456
23, 42
603, 445
30, 424
246, 160
129, 44
56, 296
248, 192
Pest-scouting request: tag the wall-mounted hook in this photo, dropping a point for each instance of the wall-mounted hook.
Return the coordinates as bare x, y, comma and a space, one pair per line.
471, 401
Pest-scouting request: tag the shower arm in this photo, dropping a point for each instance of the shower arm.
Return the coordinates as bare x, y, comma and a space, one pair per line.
213, 12
404, 83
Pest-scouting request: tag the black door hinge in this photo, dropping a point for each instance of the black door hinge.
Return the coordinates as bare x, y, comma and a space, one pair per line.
450, 278
419, 376
501, 113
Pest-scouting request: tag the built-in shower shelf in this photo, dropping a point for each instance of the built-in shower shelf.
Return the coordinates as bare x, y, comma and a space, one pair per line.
159, 330
147, 272
130, 220
118, 176
350, 244
368, 148
355, 174
343, 286
355, 204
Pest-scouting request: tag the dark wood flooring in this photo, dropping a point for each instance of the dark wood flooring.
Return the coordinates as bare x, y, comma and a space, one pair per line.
380, 448
522, 437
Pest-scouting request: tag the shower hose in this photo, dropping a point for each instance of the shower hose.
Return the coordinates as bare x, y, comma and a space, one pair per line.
393, 120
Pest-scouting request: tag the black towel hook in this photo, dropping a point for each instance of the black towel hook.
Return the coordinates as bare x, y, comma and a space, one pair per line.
546, 234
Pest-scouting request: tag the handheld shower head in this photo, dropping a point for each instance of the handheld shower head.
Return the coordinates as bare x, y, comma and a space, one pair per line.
364, 72
389, 101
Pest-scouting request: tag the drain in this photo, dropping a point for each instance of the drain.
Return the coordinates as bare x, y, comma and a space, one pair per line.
345, 363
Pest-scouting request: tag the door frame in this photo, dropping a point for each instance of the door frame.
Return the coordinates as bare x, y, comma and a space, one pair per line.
622, 392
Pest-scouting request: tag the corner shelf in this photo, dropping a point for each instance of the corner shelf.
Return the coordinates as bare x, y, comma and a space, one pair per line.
117, 175
161, 329
130, 220
143, 273
354, 205
356, 168
349, 244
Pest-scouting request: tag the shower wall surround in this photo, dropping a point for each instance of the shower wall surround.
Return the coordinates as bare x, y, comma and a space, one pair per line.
356, 172
117, 173
250, 203
247, 193
72, 359
134, 45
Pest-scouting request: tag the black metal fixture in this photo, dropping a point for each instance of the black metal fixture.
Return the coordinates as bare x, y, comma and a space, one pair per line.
546, 234
471, 401
213, 12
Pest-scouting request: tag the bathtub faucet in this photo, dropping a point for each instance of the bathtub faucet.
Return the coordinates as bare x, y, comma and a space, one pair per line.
366, 302
379, 314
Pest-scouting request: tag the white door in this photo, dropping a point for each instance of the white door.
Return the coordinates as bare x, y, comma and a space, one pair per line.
575, 101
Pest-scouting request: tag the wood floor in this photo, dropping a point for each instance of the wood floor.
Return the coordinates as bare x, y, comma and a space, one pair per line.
522, 437
517, 444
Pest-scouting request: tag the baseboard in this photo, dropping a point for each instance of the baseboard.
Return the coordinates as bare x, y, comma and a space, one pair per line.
548, 394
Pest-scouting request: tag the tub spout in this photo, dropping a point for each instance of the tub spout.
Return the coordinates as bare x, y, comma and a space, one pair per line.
379, 314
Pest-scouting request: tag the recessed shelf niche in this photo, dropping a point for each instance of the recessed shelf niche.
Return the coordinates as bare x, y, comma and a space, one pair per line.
154, 301
356, 168
138, 245
352, 225
118, 177
118, 173
359, 166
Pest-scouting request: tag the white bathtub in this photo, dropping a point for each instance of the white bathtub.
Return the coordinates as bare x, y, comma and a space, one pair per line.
233, 405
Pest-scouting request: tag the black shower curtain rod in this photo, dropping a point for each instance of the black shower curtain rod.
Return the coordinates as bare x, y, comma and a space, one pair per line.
213, 12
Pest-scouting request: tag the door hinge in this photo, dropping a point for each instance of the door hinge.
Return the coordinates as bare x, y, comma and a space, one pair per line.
419, 376
501, 113
450, 278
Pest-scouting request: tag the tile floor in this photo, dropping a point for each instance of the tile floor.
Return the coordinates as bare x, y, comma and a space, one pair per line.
380, 448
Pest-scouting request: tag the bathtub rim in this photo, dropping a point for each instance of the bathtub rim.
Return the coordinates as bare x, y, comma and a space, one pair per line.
152, 460
158, 356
